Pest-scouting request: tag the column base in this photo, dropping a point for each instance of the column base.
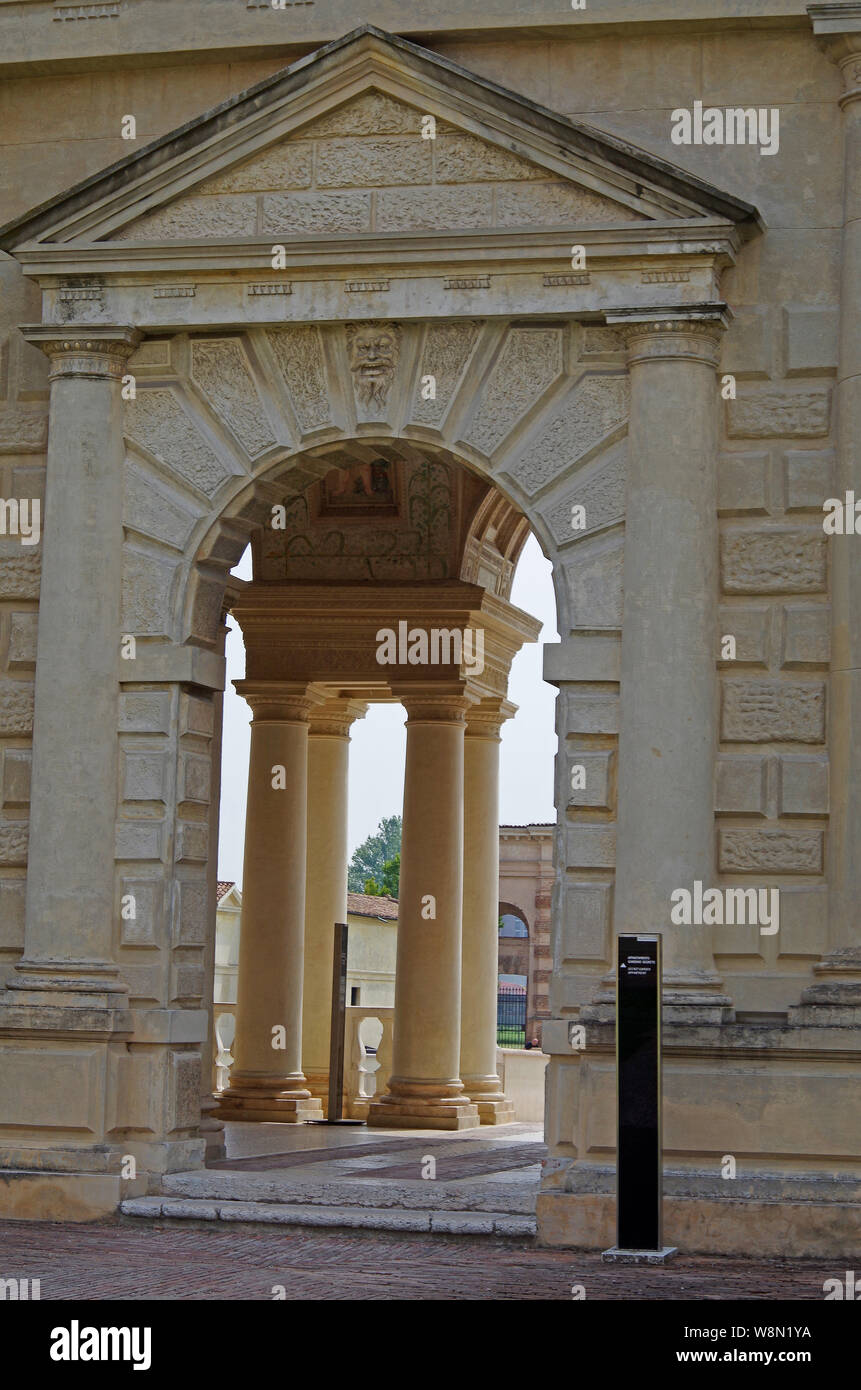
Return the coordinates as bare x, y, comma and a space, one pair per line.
284, 1100
317, 1082
487, 1095
410, 1112
495, 1112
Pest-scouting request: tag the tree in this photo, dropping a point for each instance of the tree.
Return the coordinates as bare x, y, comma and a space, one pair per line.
372, 858
390, 886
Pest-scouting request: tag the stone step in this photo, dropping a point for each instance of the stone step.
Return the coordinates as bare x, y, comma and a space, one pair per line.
459, 1222
505, 1198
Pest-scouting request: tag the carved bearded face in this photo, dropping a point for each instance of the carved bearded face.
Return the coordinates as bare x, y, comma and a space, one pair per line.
373, 357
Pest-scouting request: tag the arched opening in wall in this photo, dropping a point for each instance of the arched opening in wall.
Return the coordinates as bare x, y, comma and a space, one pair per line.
402, 533
513, 979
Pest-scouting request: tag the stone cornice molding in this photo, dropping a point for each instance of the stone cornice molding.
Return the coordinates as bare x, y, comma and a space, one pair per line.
279, 702
335, 718
95, 351
458, 251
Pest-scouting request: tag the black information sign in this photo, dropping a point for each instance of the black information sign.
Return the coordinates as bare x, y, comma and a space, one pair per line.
638, 1081
339, 1012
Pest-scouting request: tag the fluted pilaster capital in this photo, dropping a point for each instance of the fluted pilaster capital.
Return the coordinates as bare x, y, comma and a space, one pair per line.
656, 336
335, 718
280, 702
98, 352
485, 720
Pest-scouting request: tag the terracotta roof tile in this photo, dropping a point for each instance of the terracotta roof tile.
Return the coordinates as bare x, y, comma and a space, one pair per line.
363, 905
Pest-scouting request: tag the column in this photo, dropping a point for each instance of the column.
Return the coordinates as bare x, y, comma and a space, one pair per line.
267, 1082
481, 911
425, 1090
668, 697
838, 983
70, 909
325, 877
211, 1125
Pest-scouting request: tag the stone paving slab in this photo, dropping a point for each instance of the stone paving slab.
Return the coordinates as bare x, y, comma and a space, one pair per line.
365, 1218
508, 1198
362, 1218
197, 1261
473, 1164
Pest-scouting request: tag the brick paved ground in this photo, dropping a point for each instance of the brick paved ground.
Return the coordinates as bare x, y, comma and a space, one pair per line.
146, 1260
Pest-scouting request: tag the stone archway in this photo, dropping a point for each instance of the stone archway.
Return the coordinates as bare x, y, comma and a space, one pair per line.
265, 320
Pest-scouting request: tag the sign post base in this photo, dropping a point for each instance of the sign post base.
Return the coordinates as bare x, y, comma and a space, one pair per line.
633, 1257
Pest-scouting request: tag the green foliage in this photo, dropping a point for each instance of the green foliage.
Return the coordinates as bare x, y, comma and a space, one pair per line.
373, 861
390, 885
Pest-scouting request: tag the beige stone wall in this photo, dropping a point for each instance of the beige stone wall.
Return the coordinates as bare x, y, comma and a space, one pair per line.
771, 791
542, 406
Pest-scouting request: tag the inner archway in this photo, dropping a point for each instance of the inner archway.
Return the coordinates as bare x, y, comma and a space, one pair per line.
419, 520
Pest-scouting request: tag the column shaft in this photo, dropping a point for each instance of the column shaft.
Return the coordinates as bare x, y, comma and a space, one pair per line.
668, 713
480, 984
425, 1090
266, 1081
326, 878
70, 881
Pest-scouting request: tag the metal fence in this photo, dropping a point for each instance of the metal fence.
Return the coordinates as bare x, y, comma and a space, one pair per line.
511, 1016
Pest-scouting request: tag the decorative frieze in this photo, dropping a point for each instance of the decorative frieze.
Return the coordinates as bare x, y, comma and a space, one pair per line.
530, 361
282, 287
366, 286
593, 408
76, 294
665, 277
220, 368
467, 282
299, 354
174, 292
71, 12
157, 421
550, 281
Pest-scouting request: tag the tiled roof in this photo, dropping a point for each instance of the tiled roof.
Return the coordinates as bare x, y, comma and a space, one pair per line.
363, 905
223, 889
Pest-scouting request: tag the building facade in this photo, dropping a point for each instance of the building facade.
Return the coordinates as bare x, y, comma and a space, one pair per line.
378, 307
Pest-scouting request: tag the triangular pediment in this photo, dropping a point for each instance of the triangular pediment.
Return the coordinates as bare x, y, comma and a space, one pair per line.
340, 144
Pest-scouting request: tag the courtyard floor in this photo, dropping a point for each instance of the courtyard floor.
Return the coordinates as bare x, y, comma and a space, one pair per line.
128, 1259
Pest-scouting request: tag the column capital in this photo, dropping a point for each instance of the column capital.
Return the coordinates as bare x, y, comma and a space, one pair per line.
485, 720
436, 706
335, 718
659, 335
837, 28
85, 350
281, 702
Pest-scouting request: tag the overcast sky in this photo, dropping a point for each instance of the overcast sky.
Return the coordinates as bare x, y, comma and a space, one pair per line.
378, 741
